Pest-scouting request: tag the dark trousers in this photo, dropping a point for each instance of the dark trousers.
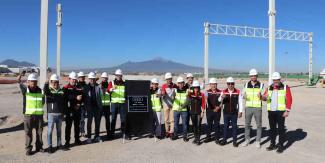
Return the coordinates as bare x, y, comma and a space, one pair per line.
115, 109
95, 114
230, 119
74, 118
196, 122
82, 119
30, 122
276, 122
107, 113
213, 118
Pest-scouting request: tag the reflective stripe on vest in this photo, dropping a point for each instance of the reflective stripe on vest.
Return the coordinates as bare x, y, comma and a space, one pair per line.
34, 103
106, 99
155, 103
252, 99
281, 99
118, 94
180, 99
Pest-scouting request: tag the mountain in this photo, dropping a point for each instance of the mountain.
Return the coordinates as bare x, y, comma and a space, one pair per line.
14, 63
156, 65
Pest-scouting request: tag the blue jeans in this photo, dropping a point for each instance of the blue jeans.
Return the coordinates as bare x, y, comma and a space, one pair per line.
230, 119
115, 109
177, 115
57, 120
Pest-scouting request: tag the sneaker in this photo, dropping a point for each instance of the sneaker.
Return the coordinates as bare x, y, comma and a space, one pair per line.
89, 141
245, 144
258, 145
271, 147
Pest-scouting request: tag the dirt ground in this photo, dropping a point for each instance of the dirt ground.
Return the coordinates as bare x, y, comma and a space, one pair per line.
305, 133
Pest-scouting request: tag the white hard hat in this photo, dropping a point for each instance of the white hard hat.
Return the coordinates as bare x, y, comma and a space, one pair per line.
54, 77
322, 72
213, 81
189, 75
154, 80
91, 75
32, 77
230, 80
276, 76
196, 83
81, 74
73, 75
168, 75
104, 75
118, 72
253, 72
180, 79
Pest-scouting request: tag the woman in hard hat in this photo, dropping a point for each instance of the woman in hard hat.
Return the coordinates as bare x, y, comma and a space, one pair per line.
196, 103
33, 102
56, 104
156, 108
279, 101
180, 96
232, 109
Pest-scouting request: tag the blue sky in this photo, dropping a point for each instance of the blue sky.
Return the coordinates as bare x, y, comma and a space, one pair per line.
105, 33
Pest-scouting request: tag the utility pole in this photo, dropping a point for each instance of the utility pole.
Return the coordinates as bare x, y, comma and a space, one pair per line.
271, 13
43, 42
310, 57
206, 52
58, 48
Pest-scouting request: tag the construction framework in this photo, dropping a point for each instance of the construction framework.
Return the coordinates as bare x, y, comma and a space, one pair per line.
246, 31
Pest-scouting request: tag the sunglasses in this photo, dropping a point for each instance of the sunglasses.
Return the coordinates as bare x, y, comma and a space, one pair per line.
230, 83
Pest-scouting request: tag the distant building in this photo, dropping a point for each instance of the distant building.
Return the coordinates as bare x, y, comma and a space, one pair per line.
16, 70
4, 66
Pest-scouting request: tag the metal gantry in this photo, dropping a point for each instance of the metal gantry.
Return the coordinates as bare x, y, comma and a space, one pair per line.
246, 31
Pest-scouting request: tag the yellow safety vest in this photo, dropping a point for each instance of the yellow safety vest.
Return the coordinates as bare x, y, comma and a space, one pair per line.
155, 103
118, 95
34, 103
252, 99
281, 99
106, 99
180, 99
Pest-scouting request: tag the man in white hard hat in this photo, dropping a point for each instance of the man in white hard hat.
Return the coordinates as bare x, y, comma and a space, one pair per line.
94, 107
279, 101
56, 104
232, 109
73, 111
167, 90
156, 108
188, 84
252, 93
106, 101
196, 105
179, 97
117, 90
33, 102
80, 89
213, 111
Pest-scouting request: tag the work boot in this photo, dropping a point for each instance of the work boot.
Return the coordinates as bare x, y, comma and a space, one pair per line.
29, 152
280, 149
173, 137
50, 150
271, 147
223, 142
185, 138
207, 139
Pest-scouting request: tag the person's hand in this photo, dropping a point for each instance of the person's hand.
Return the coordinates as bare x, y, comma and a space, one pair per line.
223, 96
79, 97
202, 114
285, 114
240, 114
216, 109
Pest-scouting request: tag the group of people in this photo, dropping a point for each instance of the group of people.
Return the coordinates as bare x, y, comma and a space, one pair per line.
188, 101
